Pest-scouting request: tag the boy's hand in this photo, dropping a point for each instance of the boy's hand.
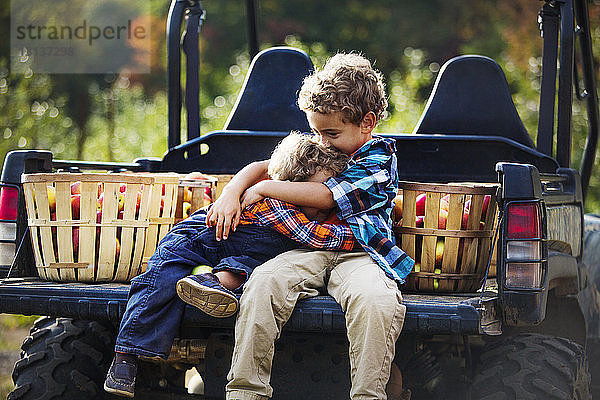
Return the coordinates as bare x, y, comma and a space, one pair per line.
252, 195
224, 214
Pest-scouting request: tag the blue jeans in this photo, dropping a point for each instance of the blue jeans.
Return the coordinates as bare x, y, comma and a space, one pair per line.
153, 314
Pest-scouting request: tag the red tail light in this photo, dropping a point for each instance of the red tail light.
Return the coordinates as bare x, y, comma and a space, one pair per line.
523, 221
9, 203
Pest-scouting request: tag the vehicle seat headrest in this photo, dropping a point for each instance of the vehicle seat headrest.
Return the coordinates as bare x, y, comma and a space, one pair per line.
471, 97
268, 99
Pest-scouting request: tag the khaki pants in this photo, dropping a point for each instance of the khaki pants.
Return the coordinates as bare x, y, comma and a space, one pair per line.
371, 301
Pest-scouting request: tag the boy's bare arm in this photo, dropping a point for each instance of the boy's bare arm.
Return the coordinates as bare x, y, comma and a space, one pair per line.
303, 194
225, 213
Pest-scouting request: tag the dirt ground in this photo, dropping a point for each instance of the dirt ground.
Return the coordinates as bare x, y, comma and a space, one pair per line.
13, 329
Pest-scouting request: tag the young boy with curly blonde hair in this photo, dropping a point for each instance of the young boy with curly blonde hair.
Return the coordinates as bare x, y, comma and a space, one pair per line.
266, 229
343, 103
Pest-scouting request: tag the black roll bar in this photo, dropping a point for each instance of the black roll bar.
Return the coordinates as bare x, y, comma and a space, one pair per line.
591, 95
174, 20
565, 84
192, 10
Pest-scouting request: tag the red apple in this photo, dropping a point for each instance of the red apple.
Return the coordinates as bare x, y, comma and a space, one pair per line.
196, 175
163, 189
421, 204
75, 241
207, 199
445, 202
100, 188
76, 187
442, 219
465, 218
122, 187
75, 203
486, 203
208, 192
420, 220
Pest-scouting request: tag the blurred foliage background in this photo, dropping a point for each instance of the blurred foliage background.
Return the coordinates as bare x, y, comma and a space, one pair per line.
118, 117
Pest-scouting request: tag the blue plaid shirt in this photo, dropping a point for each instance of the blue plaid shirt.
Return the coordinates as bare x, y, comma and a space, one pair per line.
364, 194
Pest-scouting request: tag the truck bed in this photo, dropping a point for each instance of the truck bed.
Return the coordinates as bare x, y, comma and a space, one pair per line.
464, 313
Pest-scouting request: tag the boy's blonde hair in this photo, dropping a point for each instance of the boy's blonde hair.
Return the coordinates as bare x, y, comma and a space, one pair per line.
348, 84
299, 156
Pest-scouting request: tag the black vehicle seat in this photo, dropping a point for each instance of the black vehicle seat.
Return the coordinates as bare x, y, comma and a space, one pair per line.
471, 97
268, 98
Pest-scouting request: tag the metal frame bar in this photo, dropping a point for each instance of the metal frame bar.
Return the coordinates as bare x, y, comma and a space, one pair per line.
565, 84
591, 96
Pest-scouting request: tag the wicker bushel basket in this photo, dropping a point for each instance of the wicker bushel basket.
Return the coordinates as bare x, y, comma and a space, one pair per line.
447, 229
97, 227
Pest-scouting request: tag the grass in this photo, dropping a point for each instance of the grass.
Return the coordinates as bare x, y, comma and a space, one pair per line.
13, 329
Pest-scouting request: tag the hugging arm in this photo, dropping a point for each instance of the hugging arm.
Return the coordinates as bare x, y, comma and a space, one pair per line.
291, 222
302, 194
225, 213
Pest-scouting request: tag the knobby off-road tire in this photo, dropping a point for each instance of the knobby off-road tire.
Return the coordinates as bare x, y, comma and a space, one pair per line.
63, 359
532, 366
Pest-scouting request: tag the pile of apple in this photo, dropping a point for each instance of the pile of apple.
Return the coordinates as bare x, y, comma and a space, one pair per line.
188, 193
442, 220
76, 213
443, 215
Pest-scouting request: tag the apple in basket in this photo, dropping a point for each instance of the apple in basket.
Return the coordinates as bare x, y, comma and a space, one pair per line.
420, 203
187, 195
186, 209
196, 175
439, 252
75, 241
138, 201
76, 187
486, 203
75, 205
121, 202
398, 205
420, 220
100, 201
442, 219
117, 250
51, 198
